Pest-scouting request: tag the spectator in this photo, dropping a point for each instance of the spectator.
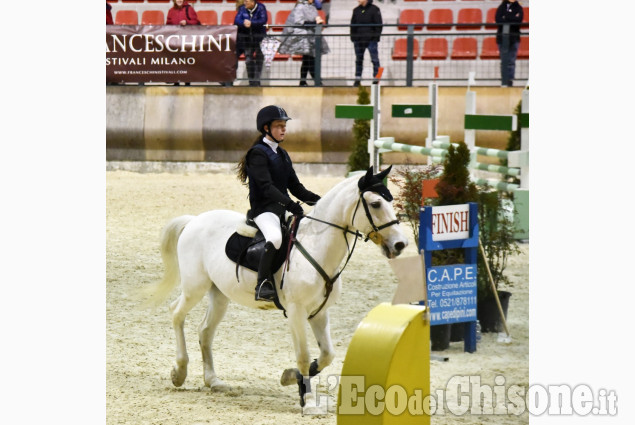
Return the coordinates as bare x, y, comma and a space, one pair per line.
182, 14
300, 41
109, 20
365, 37
509, 11
251, 20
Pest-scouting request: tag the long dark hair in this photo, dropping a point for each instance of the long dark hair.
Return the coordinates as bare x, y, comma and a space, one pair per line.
241, 167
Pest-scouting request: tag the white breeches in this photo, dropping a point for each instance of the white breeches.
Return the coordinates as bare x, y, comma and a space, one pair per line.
269, 225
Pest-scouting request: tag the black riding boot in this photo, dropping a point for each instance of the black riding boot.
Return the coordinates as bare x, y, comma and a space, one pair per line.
265, 290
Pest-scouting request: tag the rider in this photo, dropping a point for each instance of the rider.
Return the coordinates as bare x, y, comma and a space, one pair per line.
270, 173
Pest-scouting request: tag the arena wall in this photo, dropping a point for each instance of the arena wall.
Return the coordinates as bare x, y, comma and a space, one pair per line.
217, 124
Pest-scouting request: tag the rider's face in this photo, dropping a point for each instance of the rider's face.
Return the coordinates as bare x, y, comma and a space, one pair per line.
278, 129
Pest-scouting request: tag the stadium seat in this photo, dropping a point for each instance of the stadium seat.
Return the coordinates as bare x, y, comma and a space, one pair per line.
163, 1
208, 17
400, 49
526, 15
132, 1
464, 48
489, 50
152, 17
211, 1
491, 19
281, 18
523, 49
126, 17
471, 16
227, 17
435, 48
410, 16
440, 16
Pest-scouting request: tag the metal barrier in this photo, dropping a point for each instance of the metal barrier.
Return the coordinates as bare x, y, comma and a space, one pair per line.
410, 67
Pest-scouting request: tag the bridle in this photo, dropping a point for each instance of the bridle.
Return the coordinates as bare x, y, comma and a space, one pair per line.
373, 235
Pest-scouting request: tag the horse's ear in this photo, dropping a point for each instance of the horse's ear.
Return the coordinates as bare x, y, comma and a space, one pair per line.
381, 176
365, 181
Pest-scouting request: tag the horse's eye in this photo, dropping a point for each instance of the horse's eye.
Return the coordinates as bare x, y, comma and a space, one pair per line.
375, 204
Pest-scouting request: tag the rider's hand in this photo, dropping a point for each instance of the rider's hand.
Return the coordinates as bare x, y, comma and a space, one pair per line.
295, 208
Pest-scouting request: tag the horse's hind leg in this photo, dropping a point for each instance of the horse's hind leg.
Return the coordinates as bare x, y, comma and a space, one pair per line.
216, 309
180, 307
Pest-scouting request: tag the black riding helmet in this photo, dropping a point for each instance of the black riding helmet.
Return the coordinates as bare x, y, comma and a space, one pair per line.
267, 115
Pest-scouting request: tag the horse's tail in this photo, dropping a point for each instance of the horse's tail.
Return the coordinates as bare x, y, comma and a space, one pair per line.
170, 234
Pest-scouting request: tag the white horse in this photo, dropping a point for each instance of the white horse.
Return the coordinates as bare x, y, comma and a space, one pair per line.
193, 251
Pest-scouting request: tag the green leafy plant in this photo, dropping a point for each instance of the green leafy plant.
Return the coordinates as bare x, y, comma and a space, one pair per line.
408, 181
359, 159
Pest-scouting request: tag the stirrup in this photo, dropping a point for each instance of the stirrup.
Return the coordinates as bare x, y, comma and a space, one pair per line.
265, 291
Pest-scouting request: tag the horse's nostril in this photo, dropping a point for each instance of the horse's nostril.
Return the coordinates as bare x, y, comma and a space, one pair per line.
399, 246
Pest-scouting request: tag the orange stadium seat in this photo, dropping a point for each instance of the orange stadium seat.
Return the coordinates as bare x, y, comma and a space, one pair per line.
435, 48
440, 16
126, 17
523, 49
400, 49
410, 16
211, 1
471, 16
227, 17
489, 50
464, 48
152, 17
526, 15
281, 18
132, 1
208, 17
164, 1
491, 19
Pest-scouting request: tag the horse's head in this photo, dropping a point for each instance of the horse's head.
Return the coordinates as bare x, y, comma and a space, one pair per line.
379, 222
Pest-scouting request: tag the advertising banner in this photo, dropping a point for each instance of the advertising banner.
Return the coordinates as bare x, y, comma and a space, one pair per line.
170, 53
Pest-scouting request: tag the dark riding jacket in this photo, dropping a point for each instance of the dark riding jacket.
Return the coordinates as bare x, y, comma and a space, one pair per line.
509, 13
369, 14
271, 177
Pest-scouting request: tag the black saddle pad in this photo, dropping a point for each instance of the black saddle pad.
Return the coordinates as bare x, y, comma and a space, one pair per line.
247, 251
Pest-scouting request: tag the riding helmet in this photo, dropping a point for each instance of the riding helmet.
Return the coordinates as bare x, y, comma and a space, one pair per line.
268, 114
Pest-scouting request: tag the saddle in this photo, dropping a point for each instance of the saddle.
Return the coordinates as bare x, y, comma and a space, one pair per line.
246, 250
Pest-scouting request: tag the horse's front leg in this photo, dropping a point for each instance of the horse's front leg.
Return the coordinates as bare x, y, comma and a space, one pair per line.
297, 319
322, 331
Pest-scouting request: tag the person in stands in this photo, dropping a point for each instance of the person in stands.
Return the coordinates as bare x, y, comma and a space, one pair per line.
251, 20
268, 171
366, 36
109, 20
508, 12
182, 14
300, 40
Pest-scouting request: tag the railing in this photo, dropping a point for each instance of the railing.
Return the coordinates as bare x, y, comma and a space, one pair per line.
410, 68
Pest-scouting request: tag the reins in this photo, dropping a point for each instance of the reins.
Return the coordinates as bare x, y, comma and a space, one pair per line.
330, 281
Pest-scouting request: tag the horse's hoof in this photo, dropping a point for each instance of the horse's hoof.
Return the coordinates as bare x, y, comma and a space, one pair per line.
289, 377
217, 385
310, 407
178, 378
